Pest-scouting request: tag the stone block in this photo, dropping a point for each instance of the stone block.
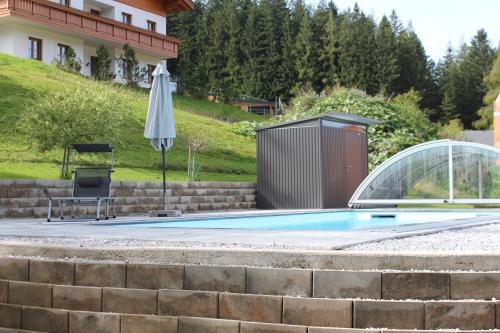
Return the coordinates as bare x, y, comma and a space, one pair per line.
317, 312
77, 298
474, 285
425, 286
312, 329
86, 322
344, 284
100, 275
14, 269
207, 325
215, 278
188, 303
56, 272
389, 314
247, 327
31, 294
136, 301
460, 315
148, 324
267, 309
288, 282
141, 276
4, 291
10, 316
45, 320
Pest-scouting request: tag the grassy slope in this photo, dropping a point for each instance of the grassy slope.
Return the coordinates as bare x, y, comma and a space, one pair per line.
231, 157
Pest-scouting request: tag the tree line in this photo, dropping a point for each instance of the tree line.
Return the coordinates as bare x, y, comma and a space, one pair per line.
273, 48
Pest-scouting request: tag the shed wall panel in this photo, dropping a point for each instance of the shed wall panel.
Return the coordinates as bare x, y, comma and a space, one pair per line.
289, 168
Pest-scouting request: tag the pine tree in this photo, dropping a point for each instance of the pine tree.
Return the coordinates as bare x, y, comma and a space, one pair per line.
103, 69
130, 70
493, 85
251, 84
476, 65
303, 55
232, 69
329, 57
386, 57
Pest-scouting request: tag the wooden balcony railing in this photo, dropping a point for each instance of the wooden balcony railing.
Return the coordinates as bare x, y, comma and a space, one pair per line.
78, 21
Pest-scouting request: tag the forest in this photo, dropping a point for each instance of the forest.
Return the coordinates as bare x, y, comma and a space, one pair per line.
272, 49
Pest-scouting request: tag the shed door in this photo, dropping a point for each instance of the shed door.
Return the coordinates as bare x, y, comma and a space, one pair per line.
355, 162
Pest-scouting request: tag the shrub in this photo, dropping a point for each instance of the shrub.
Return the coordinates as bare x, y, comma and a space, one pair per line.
245, 128
454, 130
70, 63
87, 114
130, 70
103, 71
404, 124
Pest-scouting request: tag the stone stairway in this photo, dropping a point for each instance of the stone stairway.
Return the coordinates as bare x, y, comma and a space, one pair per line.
65, 296
29, 198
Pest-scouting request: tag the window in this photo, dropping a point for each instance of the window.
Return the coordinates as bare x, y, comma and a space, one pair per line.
95, 12
35, 48
151, 69
60, 52
126, 18
66, 3
151, 26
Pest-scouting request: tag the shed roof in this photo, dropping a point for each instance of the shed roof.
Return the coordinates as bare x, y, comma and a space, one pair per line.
333, 116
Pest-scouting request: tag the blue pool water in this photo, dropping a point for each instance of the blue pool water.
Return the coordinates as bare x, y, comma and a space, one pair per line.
336, 220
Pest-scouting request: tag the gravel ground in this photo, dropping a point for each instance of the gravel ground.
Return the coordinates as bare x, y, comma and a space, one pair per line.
480, 239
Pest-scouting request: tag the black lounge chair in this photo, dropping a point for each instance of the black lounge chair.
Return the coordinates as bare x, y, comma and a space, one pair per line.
91, 186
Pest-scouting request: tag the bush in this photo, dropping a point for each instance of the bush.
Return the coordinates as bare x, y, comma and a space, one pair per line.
103, 70
404, 124
70, 63
246, 128
130, 70
87, 114
454, 130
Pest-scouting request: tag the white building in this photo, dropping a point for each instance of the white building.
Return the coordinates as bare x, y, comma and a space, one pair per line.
41, 29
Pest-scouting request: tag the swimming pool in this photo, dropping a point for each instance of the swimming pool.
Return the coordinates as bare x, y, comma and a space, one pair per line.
328, 221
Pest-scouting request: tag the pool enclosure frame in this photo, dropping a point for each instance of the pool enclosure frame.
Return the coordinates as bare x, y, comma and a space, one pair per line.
357, 202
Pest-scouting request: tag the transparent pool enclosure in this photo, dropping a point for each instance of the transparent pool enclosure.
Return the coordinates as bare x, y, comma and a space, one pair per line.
437, 172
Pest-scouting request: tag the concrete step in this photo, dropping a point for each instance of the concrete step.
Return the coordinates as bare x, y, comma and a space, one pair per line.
307, 283
125, 192
322, 312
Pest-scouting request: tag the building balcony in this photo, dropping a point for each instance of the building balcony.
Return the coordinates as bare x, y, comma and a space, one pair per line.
82, 23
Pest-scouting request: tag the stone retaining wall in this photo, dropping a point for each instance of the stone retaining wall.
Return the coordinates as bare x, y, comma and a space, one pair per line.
247, 299
29, 198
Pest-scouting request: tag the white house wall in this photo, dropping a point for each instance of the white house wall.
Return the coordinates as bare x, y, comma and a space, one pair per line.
139, 16
17, 36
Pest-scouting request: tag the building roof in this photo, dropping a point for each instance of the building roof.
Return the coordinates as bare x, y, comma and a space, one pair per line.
333, 116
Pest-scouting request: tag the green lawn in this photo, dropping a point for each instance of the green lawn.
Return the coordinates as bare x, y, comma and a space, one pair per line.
231, 157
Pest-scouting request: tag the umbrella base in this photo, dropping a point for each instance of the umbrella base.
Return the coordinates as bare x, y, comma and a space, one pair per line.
165, 213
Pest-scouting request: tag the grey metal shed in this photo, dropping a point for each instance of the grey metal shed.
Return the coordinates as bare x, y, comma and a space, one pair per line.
316, 162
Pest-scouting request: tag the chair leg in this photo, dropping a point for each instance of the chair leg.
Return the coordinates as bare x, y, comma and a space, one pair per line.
49, 213
106, 209
61, 207
98, 209
72, 209
114, 208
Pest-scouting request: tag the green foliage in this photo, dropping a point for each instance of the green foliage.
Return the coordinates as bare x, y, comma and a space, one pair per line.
404, 124
493, 86
70, 62
454, 130
231, 157
87, 114
130, 70
246, 128
103, 70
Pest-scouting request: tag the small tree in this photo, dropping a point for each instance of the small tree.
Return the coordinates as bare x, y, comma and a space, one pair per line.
86, 114
130, 70
196, 143
103, 71
70, 62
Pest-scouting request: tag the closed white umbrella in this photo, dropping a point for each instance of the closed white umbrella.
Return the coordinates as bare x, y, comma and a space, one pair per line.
160, 126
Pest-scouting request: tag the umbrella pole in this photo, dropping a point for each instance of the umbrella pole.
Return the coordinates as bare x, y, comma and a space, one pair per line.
164, 174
